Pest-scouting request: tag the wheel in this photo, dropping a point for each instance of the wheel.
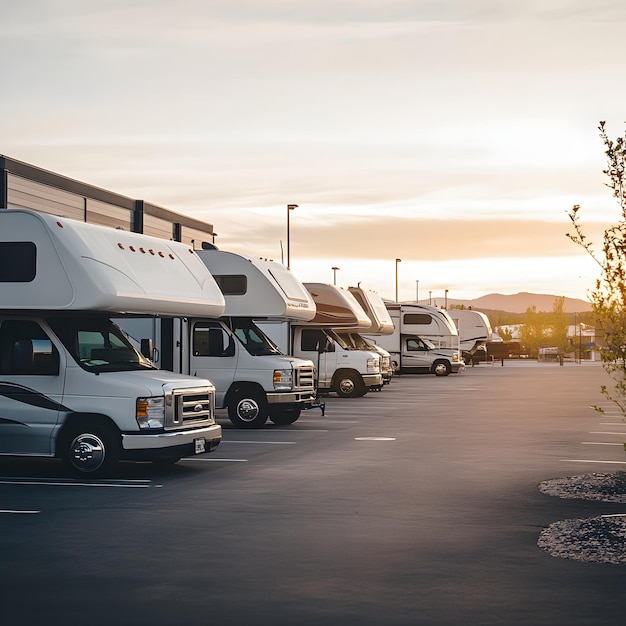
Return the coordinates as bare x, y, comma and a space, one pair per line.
441, 368
91, 449
284, 417
349, 385
248, 409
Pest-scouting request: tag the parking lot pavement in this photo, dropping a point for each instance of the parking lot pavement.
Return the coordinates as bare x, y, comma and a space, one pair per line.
415, 505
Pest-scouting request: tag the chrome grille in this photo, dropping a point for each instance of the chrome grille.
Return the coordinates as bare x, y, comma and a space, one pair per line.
190, 407
304, 377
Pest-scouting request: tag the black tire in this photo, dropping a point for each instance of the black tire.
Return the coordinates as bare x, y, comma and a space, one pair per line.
247, 408
284, 417
349, 385
441, 368
91, 449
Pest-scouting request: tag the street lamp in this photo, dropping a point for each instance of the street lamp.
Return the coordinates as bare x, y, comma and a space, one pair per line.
397, 261
446, 301
335, 274
214, 235
290, 207
430, 297
417, 291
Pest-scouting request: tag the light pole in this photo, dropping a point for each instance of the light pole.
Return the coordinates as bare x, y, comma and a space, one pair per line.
290, 207
446, 301
214, 235
397, 261
417, 291
335, 274
430, 297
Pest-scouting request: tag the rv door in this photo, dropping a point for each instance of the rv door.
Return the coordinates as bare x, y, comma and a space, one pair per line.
32, 378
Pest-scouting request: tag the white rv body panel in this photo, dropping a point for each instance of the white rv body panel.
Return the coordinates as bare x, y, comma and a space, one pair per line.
426, 321
86, 267
380, 324
375, 308
253, 380
340, 367
71, 385
474, 329
269, 288
425, 340
336, 307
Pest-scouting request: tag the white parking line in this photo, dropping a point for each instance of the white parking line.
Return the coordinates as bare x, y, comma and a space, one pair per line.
125, 484
600, 443
191, 458
600, 432
19, 512
592, 461
274, 443
340, 421
374, 438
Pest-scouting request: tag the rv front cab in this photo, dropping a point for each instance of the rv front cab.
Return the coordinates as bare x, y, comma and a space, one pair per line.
71, 384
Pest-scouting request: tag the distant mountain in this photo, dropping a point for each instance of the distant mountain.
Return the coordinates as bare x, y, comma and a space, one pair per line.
516, 303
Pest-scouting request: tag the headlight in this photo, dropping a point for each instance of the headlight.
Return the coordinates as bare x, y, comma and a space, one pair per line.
150, 413
373, 365
283, 379
455, 357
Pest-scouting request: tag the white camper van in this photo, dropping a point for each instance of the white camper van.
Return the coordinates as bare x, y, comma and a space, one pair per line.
253, 379
474, 331
71, 385
341, 368
425, 340
381, 324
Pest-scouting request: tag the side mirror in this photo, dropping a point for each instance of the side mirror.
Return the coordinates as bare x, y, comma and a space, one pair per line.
147, 349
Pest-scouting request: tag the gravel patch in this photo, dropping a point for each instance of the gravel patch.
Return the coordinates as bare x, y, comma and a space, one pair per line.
594, 540
603, 487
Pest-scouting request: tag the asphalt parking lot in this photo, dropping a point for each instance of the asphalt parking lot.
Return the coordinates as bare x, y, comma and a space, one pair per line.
416, 505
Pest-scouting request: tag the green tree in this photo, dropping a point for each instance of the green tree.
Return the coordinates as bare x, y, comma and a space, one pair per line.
558, 325
608, 299
534, 331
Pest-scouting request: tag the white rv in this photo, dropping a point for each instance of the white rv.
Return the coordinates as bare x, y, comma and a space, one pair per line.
253, 379
425, 340
380, 324
341, 368
474, 331
71, 385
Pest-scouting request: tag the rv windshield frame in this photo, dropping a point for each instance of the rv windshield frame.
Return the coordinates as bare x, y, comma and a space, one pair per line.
252, 338
98, 345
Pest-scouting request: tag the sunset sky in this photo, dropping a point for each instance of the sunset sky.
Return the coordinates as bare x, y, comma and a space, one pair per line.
452, 134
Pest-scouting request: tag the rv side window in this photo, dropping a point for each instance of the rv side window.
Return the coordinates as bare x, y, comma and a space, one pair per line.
417, 318
312, 340
25, 349
209, 339
18, 261
413, 345
232, 284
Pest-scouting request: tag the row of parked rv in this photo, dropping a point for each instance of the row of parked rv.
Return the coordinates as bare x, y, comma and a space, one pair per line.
116, 345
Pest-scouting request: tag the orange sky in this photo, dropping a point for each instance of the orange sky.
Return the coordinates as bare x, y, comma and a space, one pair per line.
454, 135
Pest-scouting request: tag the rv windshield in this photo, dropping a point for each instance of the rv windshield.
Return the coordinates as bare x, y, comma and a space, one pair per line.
428, 343
339, 339
254, 340
98, 345
355, 341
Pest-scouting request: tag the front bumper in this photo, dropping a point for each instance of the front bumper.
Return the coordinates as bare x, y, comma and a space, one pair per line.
296, 398
163, 441
372, 380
